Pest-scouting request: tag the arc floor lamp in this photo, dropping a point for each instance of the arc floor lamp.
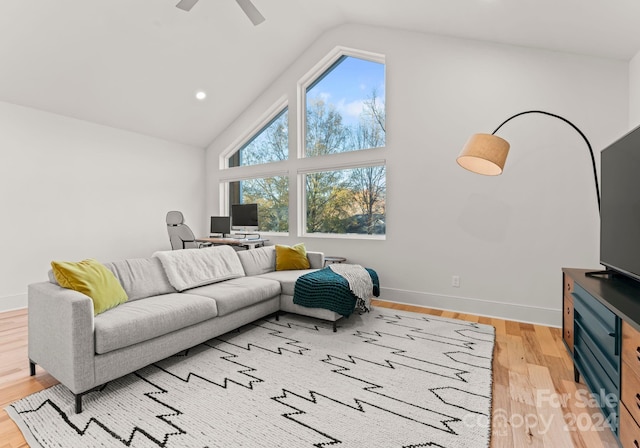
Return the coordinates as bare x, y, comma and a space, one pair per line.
487, 153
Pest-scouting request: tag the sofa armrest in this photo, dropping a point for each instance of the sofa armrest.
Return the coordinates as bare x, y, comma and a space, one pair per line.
316, 259
61, 334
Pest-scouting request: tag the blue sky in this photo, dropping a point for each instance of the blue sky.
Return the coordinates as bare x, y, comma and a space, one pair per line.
349, 84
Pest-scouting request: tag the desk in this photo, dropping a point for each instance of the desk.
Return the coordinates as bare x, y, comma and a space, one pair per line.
331, 260
249, 243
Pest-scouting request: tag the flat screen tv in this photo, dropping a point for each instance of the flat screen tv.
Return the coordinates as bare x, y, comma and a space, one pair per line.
620, 206
244, 217
221, 225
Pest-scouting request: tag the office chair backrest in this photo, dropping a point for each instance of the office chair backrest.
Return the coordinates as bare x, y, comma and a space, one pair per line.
180, 235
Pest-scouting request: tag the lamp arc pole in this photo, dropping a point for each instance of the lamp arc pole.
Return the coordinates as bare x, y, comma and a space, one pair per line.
593, 160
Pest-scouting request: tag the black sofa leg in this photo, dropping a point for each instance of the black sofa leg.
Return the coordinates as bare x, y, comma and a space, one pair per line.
32, 368
78, 403
334, 326
277, 316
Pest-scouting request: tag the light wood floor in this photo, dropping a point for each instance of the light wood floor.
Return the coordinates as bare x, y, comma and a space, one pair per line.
535, 400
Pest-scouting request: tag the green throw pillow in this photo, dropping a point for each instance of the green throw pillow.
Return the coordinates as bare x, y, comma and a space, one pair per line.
92, 279
288, 258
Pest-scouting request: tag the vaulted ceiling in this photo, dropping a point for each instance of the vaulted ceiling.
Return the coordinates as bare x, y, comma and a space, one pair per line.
136, 64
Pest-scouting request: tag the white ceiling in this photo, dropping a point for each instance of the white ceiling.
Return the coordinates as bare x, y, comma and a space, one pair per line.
136, 64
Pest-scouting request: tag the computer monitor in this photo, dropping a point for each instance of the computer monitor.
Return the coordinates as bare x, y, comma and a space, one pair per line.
221, 224
244, 217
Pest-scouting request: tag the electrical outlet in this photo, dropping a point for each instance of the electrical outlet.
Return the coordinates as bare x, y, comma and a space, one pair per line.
455, 281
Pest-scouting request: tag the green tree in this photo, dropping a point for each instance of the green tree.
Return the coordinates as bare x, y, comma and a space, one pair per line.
271, 144
354, 200
272, 196
327, 202
375, 111
326, 134
368, 188
368, 184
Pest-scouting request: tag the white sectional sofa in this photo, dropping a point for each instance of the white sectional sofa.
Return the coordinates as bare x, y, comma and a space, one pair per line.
84, 351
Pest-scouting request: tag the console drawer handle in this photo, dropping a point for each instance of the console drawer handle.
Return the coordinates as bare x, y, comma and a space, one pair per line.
638, 353
635, 443
613, 334
638, 400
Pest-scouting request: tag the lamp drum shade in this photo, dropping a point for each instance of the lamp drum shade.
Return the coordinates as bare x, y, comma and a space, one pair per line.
484, 154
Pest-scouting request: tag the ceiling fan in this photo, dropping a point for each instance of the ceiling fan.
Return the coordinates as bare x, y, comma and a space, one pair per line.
249, 9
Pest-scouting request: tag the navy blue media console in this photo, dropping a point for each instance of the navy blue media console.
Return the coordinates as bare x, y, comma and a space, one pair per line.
601, 329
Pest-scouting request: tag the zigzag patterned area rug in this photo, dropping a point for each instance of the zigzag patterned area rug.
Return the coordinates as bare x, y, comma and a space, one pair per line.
385, 379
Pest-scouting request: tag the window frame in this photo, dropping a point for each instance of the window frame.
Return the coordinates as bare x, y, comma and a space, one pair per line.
224, 191
297, 165
257, 171
276, 109
301, 205
314, 76
329, 162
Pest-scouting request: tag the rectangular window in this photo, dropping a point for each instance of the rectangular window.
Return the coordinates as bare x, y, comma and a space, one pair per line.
272, 196
347, 201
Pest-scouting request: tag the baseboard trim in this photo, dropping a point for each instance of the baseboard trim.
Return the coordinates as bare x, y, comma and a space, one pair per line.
488, 308
11, 303
481, 307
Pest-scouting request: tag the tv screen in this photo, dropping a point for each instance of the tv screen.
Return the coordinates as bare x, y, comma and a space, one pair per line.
221, 224
244, 216
620, 205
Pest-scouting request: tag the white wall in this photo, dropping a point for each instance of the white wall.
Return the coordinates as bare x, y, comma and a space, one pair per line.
73, 190
634, 91
506, 237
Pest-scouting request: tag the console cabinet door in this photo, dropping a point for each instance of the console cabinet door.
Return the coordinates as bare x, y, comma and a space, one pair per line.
604, 343
630, 387
631, 347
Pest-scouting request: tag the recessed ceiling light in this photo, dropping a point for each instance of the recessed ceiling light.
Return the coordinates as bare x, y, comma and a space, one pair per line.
201, 95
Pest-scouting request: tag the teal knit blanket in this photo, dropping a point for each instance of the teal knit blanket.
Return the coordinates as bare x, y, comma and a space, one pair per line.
328, 290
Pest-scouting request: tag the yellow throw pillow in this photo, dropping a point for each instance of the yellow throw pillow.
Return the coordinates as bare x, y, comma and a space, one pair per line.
291, 257
92, 279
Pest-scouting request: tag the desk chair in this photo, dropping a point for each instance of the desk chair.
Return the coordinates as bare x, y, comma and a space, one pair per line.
180, 235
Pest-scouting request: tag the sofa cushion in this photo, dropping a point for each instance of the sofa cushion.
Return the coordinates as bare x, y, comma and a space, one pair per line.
239, 293
92, 279
138, 321
287, 279
141, 277
291, 257
258, 261
190, 268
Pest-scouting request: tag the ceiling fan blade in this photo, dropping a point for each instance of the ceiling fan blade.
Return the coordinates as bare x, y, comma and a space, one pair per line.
251, 11
186, 5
